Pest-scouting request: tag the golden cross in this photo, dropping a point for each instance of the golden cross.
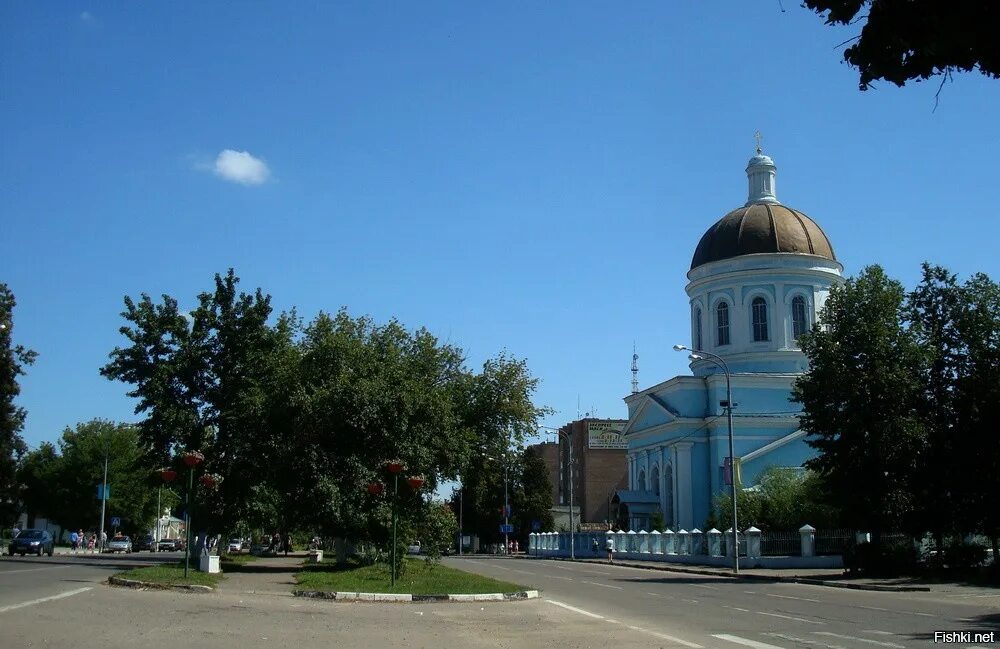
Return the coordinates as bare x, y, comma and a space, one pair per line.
759, 137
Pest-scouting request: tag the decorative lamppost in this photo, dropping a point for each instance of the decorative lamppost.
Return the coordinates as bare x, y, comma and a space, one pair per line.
395, 467
168, 475
191, 459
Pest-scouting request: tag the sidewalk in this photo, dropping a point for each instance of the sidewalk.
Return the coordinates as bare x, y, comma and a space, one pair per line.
265, 576
836, 578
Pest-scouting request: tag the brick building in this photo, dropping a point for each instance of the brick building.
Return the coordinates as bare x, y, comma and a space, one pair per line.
600, 467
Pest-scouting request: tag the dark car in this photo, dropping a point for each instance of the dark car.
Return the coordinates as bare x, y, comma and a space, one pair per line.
169, 545
145, 543
32, 542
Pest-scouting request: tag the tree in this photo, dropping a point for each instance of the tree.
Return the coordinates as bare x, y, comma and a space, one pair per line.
13, 359
533, 495
907, 40
437, 530
40, 480
934, 311
977, 395
861, 401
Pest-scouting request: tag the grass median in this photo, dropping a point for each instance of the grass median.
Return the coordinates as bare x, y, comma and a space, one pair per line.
419, 578
171, 574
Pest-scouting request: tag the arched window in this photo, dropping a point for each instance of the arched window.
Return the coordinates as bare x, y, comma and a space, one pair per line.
798, 316
697, 329
655, 478
722, 323
668, 508
759, 314
642, 481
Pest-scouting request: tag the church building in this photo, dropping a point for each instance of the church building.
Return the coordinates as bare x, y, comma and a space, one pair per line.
758, 278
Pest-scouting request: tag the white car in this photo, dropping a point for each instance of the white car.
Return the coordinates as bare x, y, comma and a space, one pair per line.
236, 545
119, 544
413, 548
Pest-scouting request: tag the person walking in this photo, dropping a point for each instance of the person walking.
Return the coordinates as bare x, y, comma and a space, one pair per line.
74, 540
610, 543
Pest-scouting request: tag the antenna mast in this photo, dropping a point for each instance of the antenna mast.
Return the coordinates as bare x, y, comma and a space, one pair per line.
635, 370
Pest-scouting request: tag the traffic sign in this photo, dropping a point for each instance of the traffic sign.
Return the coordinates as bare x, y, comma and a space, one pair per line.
116, 521
103, 493
536, 526
507, 528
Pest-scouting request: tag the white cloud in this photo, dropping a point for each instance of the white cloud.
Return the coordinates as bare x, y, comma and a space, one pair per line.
241, 167
87, 17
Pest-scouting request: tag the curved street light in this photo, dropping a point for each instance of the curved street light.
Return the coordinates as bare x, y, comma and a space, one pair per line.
697, 354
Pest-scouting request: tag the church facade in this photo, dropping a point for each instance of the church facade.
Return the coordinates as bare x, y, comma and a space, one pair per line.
758, 278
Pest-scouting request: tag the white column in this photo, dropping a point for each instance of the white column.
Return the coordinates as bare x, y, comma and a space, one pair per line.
781, 334
683, 474
631, 471
663, 479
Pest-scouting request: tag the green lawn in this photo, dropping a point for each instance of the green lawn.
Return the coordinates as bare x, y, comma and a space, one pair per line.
236, 559
171, 574
420, 579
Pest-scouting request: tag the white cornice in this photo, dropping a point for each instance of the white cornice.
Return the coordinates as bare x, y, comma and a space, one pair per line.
778, 443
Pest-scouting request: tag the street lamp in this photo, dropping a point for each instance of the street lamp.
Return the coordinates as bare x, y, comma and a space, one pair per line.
395, 467
718, 360
572, 524
191, 459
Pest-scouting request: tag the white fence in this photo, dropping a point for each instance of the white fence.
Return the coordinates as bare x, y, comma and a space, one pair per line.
713, 547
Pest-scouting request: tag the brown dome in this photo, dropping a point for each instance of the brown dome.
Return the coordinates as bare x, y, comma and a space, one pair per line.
762, 228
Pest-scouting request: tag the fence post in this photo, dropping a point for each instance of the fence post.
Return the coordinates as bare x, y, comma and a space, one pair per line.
655, 542
807, 537
714, 542
684, 540
697, 542
669, 542
753, 542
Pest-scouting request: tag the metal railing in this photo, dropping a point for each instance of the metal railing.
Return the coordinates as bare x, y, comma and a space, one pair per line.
780, 544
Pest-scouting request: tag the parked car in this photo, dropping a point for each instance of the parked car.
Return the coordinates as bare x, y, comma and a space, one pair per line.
413, 548
168, 545
236, 545
119, 544
32, 542
146, 543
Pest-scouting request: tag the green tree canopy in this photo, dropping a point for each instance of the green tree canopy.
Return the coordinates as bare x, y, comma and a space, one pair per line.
861, 401
907, 40
13, 359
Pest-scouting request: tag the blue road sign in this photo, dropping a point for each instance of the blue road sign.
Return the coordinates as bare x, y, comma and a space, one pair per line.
116, 521
536, 526
507, 529
103, 493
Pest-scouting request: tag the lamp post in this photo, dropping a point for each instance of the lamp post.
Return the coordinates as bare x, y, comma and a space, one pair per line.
104, 498
718, 360
191, 459
395, 467
572, 522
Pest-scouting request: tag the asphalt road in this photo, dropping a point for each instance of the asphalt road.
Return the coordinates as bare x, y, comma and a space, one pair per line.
703, 611
61, 602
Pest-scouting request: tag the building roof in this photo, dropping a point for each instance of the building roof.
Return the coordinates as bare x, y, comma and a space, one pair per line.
762, 228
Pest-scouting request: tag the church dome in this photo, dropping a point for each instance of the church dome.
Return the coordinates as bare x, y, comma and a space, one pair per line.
762, 228
763, 225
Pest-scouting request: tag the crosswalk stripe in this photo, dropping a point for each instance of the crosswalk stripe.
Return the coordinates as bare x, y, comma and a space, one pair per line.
865, 640
747, 642
790, 617
785, 636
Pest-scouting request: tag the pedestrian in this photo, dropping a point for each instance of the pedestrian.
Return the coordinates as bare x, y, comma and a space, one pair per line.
104, 539
610, 543
73, 541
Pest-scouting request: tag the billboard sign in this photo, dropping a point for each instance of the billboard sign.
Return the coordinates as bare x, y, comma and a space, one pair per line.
606, 435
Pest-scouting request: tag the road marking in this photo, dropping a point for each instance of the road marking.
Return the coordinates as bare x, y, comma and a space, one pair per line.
689, 601
745, 641
865, 640
523, 572
68, 593
566, 567
873, 631
575, 609
11, 572
789, 617
658, 595
785, 636
736, 608
705, 587
750, 592
565, 578
594, 583
801, 599
664, 636
873, 608
920, 614
502, 568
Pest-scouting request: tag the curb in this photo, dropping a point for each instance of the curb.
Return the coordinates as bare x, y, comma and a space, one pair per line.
134, 583
342, 596
767, 578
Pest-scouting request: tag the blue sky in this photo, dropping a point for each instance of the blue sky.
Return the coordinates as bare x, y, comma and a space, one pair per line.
530, 177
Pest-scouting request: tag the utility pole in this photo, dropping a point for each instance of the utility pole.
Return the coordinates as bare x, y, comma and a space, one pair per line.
104, 500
